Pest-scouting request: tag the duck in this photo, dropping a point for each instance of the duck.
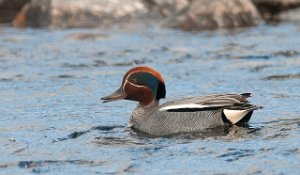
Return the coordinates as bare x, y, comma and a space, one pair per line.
146, 86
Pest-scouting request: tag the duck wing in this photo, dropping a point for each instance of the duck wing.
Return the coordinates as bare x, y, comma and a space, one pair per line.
210, 102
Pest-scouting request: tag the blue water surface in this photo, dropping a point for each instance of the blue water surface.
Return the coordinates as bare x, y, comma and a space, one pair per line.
53, 122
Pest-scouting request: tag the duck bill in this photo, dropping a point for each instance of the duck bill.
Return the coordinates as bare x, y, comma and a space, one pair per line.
118, 95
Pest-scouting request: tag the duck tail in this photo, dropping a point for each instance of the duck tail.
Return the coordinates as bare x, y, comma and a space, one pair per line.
254, 107
246, 95
240, 115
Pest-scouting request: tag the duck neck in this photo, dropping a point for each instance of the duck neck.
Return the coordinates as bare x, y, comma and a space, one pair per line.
142, 112
152, 104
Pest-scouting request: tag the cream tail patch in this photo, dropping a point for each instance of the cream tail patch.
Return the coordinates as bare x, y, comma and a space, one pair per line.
235, 116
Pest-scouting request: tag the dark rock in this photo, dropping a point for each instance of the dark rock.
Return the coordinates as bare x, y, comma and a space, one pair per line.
270, 8
37, 13
212, 14
9, 9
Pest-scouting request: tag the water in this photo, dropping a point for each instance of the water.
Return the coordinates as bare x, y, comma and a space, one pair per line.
53, 122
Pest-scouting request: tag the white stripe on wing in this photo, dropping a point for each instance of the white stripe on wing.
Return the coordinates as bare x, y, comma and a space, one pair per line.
182, 106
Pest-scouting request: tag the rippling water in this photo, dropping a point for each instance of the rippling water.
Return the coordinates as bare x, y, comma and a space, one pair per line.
52, 121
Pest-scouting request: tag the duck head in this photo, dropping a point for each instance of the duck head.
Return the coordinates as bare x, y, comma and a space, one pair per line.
142, 84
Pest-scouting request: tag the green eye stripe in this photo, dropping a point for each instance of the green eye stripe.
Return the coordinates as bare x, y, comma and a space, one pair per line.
146, 79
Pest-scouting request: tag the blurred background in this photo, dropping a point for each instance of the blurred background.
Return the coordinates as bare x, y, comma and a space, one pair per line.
182, 14
58, 57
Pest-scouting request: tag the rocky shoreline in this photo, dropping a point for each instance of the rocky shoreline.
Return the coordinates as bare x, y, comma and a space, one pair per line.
190, 15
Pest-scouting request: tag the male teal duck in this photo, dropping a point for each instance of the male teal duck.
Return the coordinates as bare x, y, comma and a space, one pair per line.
146, 86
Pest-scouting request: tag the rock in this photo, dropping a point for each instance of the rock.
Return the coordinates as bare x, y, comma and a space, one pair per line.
165, 8
91, 13
78, 13
212, 14
9, 9
181, 14
37, 13
269, 9
292, 15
